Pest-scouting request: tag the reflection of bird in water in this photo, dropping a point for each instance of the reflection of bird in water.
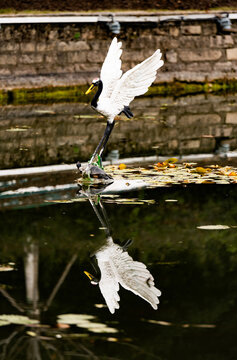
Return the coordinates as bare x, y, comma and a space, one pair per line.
118, 267
116, 91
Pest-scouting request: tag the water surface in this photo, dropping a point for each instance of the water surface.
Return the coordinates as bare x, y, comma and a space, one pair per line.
48, 246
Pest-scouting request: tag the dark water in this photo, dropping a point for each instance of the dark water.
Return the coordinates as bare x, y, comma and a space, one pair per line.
49, 247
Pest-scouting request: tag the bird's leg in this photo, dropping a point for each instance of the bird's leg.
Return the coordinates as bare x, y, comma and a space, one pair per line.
102, 142
109, 129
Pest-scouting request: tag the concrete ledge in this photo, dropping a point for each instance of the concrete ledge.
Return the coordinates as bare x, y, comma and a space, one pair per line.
128, 161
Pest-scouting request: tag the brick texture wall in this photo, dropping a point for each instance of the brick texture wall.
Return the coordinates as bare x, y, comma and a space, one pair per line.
61, 54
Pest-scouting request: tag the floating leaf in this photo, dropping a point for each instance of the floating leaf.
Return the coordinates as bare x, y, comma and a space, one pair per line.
201, 170
171, 160
85, 321
213, 227
31, 333
73, 319
122, 166
18, 319
6, 267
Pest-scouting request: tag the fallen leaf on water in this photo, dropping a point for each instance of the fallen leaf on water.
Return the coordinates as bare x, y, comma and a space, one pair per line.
171, 161
17, 319
213, 227
63, 326
6, 268
201, 170
208, 182
232, 173
31, 333
122, 166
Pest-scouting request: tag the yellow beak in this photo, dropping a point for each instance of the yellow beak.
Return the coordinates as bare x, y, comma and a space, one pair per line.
90, 89
89, 275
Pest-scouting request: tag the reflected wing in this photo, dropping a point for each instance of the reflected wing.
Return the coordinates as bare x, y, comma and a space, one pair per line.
111, 69
137, 80
109, 286
135, 277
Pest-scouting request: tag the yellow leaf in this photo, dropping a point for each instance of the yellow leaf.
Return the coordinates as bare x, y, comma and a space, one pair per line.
122, 166
201, 170
171, 160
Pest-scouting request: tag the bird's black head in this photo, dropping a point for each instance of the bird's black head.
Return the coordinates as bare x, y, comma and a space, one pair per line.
93, 279
95, 82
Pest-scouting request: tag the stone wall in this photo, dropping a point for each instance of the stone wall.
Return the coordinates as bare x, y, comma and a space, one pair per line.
62, 54
38, 135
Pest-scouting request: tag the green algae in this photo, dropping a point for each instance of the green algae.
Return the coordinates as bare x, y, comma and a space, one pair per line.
181, 88
44, 95
59, 94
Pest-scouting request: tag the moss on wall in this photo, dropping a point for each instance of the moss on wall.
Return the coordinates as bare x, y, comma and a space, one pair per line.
77, 93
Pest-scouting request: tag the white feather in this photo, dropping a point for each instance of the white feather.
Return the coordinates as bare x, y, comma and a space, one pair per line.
118, 267
111, 69
136, 81
118, 91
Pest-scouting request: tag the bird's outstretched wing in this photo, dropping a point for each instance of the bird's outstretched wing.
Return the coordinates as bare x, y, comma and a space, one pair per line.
135, 277
136, 81
111, 69
109, 286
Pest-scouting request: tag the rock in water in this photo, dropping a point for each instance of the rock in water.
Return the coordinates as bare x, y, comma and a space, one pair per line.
94, 174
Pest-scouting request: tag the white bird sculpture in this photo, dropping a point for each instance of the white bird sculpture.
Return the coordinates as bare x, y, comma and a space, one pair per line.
116, 91
118, 267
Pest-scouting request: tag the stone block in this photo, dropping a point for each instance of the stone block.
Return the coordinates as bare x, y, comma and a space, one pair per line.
5, 71
221, 41
77, 57
231, 118
191, 29
9, 46
223, 66
46, 46
173, 144
171, 56
192, 144
191, 119
28, 47
73, 46
8, 59
227, 131
170, 120
199, 66
200, 55
168, 43
24, 70
33, 58
53, 35
94, 56
51, 58
209, 28
231, 54
174, 31
86, 67
41, 46
136, 56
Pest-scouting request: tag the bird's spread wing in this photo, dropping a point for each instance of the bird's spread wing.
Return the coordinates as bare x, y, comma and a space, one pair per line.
134, 276
111, 69
109, 286
136, 81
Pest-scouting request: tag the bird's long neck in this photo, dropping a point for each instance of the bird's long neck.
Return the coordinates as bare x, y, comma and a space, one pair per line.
96, 97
